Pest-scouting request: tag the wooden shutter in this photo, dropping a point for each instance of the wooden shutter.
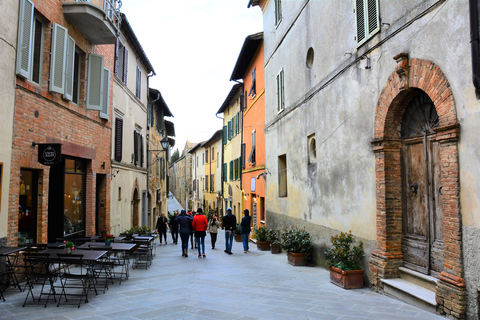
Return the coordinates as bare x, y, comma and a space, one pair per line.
243, 155
125, 64
224, 136
367, 19
141, 150
230, 130
212, 182
25, 39
206, 182
135, 147
104, 113
69, 63
138, 87
231, 170
225, 172
118, 139
95, 82
58, 57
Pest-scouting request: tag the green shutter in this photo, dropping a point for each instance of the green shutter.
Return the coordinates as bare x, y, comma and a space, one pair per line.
225, 172
224, 136
58, 57
25, 38
231, 170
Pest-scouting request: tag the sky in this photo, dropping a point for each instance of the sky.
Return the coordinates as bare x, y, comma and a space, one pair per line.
193, 46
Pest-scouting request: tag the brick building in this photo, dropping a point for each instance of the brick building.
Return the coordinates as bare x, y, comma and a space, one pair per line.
62, 117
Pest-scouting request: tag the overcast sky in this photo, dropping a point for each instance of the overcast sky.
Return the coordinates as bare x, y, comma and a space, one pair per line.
193, 46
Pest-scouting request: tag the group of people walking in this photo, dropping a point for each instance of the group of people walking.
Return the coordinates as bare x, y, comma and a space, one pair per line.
195, 224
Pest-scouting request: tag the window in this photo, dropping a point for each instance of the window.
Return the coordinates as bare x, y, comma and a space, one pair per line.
197, 161
230, 131
280, 91
95, 82
138, 87
282, 176
119, 193
231, 170
138, 148
212, 182
104, 112
121, 61
251, 158
118, 138
25, 35
225, 172
243, 155
213, 153
312, 149
194, 185
206, 183
206, 155
278, 12
367, 19
236, 169
237, 123
37, 51
253, 88
76, 76
224, 135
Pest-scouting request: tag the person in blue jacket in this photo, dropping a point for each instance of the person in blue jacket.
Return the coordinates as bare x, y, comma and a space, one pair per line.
245, 225
184, 223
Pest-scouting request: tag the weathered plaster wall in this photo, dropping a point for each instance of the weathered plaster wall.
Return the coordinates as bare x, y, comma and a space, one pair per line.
8, 44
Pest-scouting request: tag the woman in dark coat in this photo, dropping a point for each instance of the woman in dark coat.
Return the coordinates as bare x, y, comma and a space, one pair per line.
161, 227
184, 222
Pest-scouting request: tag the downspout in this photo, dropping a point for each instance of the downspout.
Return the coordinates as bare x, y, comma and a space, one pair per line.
473, 5
147, 141
221, 175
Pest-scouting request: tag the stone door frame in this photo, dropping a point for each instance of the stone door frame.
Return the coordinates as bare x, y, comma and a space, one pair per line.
387, 258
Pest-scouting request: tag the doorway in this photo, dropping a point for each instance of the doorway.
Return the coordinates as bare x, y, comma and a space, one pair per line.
422, 237
27, 207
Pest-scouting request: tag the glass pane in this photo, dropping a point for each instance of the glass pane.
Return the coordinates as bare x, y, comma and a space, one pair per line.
69, 165
74, 204
27, 208
80, 166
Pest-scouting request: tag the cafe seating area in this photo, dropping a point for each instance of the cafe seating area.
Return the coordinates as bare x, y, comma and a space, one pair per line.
52, 274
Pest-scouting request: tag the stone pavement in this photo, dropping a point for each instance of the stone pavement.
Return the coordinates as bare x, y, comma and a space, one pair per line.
255, 285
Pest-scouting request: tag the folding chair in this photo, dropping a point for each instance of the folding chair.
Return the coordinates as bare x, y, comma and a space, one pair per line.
75, 280
102, 270
39, 270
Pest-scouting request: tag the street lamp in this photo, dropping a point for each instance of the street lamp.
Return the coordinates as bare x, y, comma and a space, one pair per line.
164, 142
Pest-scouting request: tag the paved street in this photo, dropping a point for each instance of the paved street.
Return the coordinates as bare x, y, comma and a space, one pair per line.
256, 285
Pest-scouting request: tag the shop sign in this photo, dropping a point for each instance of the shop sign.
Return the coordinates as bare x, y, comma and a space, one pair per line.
49, 154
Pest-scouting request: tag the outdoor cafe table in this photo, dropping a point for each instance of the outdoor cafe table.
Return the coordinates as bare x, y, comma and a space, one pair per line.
11, 257
114, 245
88, 255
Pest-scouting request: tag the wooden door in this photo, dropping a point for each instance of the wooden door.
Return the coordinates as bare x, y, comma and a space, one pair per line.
422, 241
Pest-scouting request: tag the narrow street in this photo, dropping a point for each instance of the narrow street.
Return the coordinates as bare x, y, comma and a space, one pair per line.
255, 285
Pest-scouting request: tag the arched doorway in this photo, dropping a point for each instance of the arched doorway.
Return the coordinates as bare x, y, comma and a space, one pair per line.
417, 181
135, 208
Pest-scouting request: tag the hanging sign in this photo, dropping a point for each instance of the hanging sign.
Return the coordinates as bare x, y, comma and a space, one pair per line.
49, 154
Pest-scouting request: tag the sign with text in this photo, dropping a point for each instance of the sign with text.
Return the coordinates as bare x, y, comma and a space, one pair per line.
49, 154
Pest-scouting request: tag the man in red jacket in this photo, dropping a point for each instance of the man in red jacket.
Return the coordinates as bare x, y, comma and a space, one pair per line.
200, 225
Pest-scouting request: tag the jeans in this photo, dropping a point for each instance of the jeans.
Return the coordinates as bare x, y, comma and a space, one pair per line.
184, 237
213, 236
228, 241
164, 233
202, 241
245, 241
174, 236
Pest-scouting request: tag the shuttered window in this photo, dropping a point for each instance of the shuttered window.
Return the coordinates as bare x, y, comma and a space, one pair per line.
118, 138
231, 170
95, 82
230, 130
25, 38
280, 91
104, 113
212, 182
58, 58
243, 155
367, 19
206, 182
236, 168
138, 87
225, 172
224, 135
253, 87
278, 12
121, 61
69, 70
251, 157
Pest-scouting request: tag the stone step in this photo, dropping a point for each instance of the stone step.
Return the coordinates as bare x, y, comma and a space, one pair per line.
411, 293
418, 278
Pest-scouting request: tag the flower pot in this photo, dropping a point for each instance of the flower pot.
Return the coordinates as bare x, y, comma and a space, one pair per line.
350, 279
263, 245
238, 237
274, 248
68, 250
297, 259
108, 242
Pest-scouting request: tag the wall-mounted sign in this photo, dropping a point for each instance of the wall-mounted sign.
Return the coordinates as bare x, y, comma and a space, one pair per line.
252, 184
49, 154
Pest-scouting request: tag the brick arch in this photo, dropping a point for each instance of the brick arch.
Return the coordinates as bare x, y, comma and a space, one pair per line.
411, 76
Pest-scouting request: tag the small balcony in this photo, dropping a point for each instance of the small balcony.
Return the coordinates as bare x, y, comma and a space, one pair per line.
98, 20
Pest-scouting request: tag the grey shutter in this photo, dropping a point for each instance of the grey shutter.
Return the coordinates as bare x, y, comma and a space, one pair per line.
95, 82
125, 64
58, 57
135, 147
243, 155
25, 39
118, 139
141, 149
117, 48
138, 87
360, 20
373, 17
70, 61
104, 113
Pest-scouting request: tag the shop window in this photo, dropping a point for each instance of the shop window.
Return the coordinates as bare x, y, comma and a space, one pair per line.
74, 196
27, 207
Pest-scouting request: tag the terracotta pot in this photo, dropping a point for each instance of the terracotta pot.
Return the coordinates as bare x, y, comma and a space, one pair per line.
68, 250
351, 279
238, 237
274, 248
297, 259
263, 245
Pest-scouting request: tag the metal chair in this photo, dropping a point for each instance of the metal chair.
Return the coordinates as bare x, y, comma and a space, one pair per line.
39, 270
75, 280
103, 269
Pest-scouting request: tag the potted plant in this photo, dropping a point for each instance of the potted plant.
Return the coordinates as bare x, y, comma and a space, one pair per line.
273, 237
261, 236
69, 247
298, 244
108, 239
238, 233
344, 260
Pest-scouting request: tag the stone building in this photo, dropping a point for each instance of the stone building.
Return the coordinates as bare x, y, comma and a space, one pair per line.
370, 126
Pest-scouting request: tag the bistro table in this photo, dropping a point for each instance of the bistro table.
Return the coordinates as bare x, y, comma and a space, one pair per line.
88, 255
116, 246
11, 258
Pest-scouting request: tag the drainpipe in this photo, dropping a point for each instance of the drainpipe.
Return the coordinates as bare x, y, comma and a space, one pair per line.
221, 175
473, 6
147, 142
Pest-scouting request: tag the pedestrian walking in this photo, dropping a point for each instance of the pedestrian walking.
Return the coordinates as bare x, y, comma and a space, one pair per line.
161, 227
174, 227
200, 225
229, 223
184, 223
213, 225
245, 225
